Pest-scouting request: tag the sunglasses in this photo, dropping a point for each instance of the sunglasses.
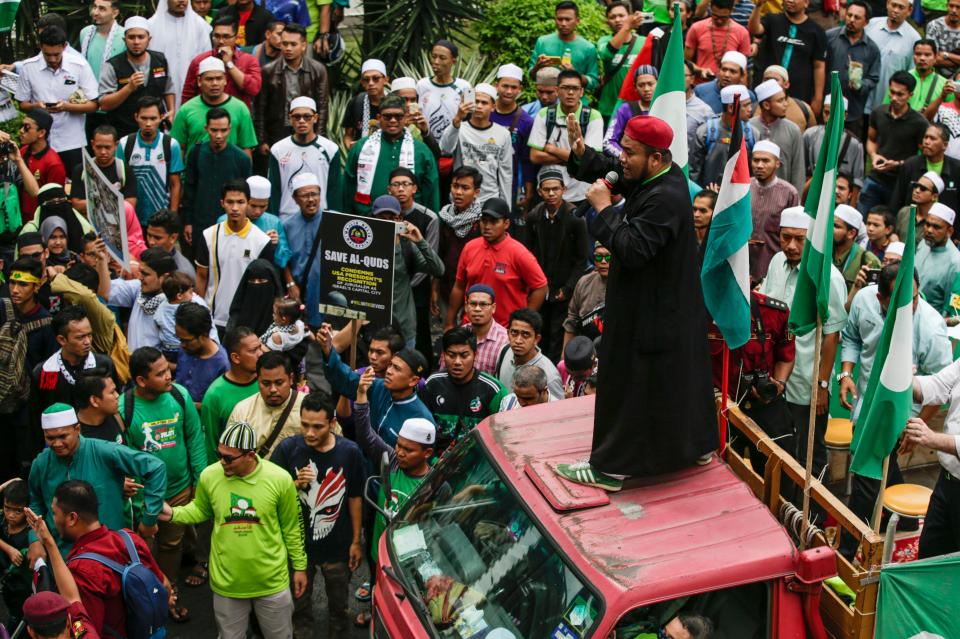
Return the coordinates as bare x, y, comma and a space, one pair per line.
921, 187
301, 116
229, 459
391, 116
599, 257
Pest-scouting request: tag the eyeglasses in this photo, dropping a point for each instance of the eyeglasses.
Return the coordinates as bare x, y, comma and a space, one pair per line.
401, 185
223, 36
391, 116
301, 116
229, 459
600, 257
921, 187
479, 304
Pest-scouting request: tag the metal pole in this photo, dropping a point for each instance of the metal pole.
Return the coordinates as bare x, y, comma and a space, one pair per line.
878, 507
724, 393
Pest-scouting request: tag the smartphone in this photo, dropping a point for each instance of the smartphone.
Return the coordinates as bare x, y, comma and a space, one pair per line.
469, 95
50, 105
873, 275
413, 108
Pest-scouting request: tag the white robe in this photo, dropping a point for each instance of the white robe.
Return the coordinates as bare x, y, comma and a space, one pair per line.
180, 40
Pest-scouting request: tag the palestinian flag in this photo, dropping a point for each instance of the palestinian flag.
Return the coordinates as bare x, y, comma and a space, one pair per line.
725, 275
889, 395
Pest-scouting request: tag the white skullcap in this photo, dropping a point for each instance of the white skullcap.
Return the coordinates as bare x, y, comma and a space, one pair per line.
213, 63
827, 101
373, 65
935, 179
259, 187
487, 89
301, 180
766, 146
405, 82
767, 89
896, 248
942, 211
727, 94
303, 102
849, 215
736, 57
776, 68
58, 415
136, 22
420, 430
794, 217
510, 71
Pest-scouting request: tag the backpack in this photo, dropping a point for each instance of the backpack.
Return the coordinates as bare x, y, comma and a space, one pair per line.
713, 133
14, 377
552, 120
129, 398
144, 595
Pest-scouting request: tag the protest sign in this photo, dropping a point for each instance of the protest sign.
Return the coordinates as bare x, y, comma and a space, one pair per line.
105, 210
357, 254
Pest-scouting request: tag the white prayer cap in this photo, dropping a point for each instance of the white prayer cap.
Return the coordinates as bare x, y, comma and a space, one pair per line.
303, 179
942, 211
303, 102
736, 57
849, 215
259, 187
136, 22
510, 71
58, 415
779, 70
373, 65
405, 82
935, 179
767, 89
486, 89
794, 217
827, 101
895, 248
727, 94
420, 430
766, 146
212, 63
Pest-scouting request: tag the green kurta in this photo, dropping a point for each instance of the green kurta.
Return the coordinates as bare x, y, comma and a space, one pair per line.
218, 402
424, 167
104, 465
938, 267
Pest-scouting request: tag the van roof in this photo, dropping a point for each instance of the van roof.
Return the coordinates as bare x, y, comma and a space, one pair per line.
659, 538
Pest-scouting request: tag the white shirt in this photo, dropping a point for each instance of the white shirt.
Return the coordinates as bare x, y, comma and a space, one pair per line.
440, 102
227, 255
40, 83
289, 158
935, 390
592, 137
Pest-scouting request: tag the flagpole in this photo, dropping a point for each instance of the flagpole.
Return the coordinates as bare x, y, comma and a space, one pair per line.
811, 428
878, 507
724, 393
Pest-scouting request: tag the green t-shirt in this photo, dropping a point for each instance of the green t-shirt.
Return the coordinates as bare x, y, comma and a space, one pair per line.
926, 90
936, 167
661, 12
189, 126
583, 56
934, 5
160, 427
610, 59
256, 529
218, 402
402, 486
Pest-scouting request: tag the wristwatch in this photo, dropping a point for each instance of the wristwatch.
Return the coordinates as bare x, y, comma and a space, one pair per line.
291, 285
843, 375
824, 384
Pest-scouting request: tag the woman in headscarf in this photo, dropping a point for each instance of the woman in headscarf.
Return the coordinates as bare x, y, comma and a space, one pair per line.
54, 233
252, 304
52, 202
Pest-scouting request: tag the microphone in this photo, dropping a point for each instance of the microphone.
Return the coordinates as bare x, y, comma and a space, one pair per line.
610, 179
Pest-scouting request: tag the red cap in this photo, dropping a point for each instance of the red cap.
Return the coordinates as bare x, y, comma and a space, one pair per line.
650, 131
45, 608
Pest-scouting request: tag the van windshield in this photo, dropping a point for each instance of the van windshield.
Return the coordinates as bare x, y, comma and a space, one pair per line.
479, 563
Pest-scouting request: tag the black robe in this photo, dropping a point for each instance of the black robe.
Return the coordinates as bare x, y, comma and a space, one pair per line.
655, 410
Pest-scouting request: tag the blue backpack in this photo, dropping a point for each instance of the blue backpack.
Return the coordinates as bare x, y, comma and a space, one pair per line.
144, 595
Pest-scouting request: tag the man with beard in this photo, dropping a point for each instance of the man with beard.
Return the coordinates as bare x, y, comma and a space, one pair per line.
639, 427
938, 260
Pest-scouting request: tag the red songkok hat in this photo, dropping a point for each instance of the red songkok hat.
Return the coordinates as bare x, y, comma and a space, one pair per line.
45, 608
650, 131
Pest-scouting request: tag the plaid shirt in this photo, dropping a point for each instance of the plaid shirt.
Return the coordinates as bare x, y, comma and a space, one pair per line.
488, 349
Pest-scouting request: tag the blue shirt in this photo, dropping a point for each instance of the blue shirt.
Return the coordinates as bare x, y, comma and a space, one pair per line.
269, 222
196, 374
709, 92
300, 235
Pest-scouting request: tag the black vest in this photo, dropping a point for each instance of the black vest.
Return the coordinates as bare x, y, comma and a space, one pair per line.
156, 83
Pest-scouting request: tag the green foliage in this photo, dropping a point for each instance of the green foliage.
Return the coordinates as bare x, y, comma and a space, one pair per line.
510, 28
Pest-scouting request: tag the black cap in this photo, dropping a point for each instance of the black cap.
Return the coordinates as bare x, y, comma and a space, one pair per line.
43, 119
578, 354
416, 361
29, 239
495, 207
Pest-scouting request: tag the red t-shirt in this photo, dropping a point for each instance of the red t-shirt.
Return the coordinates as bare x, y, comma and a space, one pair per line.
507, 267
47, 167
242, 30
100, 590
709, 43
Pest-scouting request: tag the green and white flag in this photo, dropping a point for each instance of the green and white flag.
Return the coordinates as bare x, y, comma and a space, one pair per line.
670, 97
918, 599
8, 14
812, 296
889, 395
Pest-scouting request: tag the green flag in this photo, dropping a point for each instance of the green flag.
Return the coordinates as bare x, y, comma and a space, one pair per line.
670, 97
812, 296
889, 395
918, 599
8, 14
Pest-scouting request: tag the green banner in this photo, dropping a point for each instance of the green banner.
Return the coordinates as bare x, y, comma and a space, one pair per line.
919, 599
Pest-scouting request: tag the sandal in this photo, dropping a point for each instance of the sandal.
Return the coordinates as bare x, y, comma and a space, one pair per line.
362, 620
198, 576
178, 613
363, 592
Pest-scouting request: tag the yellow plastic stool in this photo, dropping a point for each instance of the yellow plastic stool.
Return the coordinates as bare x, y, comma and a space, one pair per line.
837, 438
907, 500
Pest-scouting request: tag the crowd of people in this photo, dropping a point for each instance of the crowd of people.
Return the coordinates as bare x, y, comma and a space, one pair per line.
201, 383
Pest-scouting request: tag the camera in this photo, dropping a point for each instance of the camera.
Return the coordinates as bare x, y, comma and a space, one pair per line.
7, 148
767, 389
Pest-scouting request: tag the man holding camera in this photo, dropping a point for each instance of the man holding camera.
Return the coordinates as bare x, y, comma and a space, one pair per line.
759, 370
